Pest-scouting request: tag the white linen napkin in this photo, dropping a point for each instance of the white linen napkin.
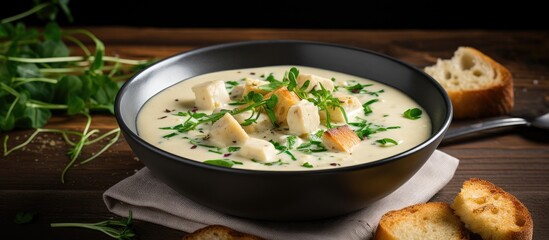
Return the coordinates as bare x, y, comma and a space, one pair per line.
153, 201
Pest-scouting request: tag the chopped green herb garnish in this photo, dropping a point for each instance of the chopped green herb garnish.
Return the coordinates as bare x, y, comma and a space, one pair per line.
254, 100
182, 114
215, 151
222, 162
413, 113
361, 88
232, 83
314, 144
279, 162
168, 136
233, 149
365, 128
367, 108
197, 143
285, 149
384, 141
357, 88
307, 165
291, 141
376, 93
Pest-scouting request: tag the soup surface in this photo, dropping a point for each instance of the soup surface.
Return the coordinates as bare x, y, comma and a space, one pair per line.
192, 122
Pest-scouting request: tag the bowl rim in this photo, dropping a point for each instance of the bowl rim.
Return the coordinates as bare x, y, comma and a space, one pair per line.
166, 61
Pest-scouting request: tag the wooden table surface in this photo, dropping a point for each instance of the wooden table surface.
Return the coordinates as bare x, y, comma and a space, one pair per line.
515, 159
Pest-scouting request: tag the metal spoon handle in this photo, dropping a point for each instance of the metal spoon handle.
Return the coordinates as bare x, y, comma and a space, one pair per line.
490, 124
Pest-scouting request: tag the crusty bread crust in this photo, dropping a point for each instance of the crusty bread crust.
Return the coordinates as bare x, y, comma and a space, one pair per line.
433, 220
484, 101
340, 139
486, 210
219, 232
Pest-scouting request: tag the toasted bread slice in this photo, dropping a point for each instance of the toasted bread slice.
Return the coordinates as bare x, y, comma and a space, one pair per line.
218, 232
477, 85
340, 139
492, 212
433, 220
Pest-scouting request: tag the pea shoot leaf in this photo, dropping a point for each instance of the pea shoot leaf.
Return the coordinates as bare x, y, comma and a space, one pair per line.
34, 118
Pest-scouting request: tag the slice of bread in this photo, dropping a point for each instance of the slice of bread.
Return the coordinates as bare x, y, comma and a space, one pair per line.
433, 220
477, 85
219, 232
491, 212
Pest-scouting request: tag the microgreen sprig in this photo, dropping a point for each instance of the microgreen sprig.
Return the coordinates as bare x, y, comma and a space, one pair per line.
39, 77
252, 102
325, 101
118, 229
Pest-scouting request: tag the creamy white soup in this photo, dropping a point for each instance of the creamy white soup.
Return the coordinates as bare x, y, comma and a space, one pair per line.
282, 118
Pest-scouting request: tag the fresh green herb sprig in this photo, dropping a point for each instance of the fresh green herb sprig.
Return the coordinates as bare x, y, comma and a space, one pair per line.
307, 165
39, 77
273, 84
291, 78
118, 229
44, 11
84, 139
253, 101
324, 100
290, 81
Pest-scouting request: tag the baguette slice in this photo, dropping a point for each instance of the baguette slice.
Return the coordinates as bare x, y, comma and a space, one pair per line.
218, 232
477, 85
433, 220
491, 212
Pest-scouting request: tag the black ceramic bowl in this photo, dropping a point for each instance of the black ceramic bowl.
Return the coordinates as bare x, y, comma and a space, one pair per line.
286, 195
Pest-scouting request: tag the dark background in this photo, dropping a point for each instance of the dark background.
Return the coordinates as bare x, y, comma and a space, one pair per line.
303, 14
